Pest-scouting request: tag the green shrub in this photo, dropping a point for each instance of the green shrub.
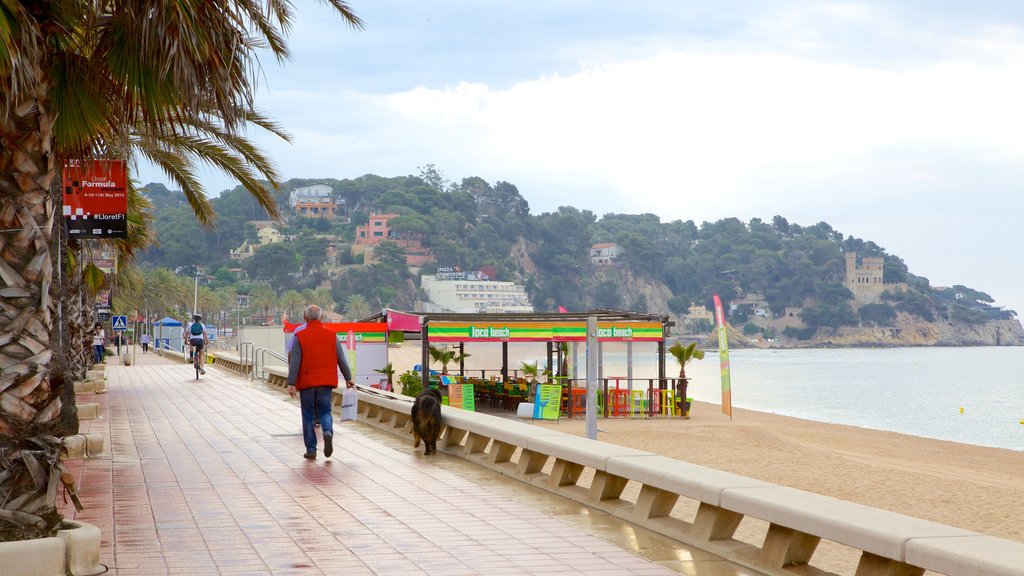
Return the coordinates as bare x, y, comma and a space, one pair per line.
878, 314
749, 329
412, 383
800, 333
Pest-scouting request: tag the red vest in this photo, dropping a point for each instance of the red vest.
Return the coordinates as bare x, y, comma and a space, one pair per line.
319, 365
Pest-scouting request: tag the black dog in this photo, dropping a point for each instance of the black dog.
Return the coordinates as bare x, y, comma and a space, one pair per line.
426, 420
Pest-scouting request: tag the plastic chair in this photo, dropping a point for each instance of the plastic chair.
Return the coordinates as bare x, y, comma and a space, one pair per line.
637, 402
618, 402
666, 402
579, 401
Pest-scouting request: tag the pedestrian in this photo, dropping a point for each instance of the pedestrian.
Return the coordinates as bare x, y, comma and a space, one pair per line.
144, 340
289, 341
98, 337
316, 356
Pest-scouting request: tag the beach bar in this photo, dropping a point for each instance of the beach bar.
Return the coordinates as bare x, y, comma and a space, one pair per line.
561, 332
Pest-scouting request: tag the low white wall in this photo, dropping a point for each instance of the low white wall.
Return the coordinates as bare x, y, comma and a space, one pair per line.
890, 544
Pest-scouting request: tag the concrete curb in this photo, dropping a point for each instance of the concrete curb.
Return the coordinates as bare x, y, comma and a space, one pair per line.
80, 446
98, 386
88, 411
74, 551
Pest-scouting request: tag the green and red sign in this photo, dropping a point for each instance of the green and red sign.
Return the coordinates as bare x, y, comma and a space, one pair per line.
542, 332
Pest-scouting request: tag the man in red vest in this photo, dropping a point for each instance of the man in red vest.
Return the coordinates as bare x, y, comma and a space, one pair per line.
313, 367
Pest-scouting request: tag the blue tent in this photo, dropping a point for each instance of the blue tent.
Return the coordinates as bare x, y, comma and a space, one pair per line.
167, 334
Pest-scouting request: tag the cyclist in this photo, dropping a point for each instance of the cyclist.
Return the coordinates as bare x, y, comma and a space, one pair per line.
197, 339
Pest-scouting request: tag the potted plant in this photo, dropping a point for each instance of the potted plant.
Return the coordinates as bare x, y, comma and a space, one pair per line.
683, 355
531, 371
389, 371
412, 383
445, 356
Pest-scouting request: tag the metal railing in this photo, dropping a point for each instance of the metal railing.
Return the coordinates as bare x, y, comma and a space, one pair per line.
245, 354
260, 361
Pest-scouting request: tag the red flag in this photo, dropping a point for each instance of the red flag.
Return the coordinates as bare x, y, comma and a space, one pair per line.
562, 310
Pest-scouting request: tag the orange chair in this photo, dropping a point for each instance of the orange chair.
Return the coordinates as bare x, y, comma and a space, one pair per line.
618, 402
579, 401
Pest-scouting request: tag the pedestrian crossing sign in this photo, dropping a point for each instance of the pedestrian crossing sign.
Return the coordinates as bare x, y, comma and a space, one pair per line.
119, 323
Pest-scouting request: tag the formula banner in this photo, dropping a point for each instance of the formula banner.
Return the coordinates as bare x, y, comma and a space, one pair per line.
96, 199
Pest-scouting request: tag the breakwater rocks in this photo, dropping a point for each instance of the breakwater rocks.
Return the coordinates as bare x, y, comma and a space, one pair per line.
996, 333
907, 332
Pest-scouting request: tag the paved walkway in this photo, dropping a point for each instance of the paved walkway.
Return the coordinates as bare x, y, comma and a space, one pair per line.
207, 477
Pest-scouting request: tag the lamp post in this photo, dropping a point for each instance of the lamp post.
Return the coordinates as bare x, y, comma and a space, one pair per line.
195, 295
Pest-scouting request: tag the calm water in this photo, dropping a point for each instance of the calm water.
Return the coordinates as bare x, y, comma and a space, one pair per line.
916, 391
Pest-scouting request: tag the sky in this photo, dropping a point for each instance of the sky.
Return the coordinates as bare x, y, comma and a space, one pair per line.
894, 122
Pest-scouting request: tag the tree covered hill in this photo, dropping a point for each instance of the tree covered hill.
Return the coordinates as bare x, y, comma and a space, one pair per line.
475, 225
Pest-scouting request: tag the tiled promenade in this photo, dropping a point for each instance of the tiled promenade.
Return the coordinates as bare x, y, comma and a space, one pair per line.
208, 477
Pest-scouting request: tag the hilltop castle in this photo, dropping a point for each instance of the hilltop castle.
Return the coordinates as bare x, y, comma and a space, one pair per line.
867, 280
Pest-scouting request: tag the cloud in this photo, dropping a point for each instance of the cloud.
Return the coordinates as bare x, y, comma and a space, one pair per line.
898, 124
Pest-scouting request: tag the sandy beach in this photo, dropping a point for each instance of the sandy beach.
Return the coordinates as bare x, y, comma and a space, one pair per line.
972, 487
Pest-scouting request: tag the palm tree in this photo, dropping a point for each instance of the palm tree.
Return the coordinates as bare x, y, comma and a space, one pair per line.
445, 356
532, 372
356, 307
683, 355
389, 371
322, 298
263, 298
530, 369
80, 82
292, 303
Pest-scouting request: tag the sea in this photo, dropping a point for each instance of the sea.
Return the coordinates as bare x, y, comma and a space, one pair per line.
972, 395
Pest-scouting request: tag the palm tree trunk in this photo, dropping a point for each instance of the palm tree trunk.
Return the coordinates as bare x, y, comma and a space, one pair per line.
29, 396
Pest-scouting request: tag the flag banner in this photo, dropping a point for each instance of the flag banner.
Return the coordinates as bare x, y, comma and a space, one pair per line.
96, 199
723, 355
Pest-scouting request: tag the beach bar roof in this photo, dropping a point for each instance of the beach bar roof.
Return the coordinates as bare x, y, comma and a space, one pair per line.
612, 326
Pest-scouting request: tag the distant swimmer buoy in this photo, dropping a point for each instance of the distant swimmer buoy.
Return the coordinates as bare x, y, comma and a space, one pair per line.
961, 409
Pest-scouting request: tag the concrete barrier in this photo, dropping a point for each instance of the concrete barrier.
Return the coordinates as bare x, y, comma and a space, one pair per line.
230, 361
74, 550
890, 544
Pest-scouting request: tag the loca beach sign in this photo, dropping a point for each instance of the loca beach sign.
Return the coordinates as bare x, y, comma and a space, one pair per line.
96, 199
571, 331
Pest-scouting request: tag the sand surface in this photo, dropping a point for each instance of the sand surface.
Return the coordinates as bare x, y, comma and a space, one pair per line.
971, 487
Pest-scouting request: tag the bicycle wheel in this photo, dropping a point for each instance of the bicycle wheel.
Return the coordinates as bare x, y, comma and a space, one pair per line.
195, 364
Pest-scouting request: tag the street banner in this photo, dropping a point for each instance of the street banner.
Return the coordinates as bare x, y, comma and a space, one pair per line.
96, 199
723, 355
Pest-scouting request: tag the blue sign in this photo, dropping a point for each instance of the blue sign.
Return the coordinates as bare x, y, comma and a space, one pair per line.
119, 323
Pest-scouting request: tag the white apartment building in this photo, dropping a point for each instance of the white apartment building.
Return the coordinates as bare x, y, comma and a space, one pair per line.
313, 193
462, 294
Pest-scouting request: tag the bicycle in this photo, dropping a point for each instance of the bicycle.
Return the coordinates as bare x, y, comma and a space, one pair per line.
197, 358
195, 361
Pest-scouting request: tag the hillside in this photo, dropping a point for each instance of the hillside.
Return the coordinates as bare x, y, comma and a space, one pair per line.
786, 284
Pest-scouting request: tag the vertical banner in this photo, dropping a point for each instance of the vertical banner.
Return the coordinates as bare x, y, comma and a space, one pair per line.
350, 343
723, 355
96, 199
